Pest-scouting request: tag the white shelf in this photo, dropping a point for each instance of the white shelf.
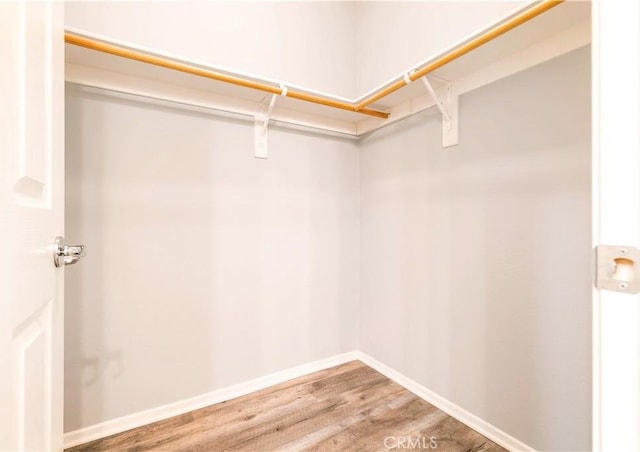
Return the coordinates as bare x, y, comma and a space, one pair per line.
558, 26
557, 31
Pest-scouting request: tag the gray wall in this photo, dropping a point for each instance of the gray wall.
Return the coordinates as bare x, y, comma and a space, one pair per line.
284, 41
205, 267
475, 260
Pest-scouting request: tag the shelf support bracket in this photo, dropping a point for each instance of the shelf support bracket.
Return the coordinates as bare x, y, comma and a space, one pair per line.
447, 103
261, 126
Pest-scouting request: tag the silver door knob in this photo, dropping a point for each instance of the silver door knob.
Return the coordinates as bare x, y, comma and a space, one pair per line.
66, 254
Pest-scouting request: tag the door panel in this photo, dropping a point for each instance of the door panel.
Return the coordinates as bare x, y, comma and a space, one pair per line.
33, 368
31, 216
33, 171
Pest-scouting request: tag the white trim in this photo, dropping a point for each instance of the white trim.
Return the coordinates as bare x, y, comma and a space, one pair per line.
616, 220
471, 420
596, 424
141, 418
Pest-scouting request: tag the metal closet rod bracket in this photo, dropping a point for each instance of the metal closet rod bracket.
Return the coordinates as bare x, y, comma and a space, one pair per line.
447, 102
261, 150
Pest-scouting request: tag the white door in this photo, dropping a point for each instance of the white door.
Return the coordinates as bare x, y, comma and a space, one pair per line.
31, 216
616, 213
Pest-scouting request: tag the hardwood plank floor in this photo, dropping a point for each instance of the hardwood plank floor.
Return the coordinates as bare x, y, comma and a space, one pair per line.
346, 408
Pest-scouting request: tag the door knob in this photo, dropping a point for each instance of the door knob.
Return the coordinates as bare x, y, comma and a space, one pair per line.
66, 254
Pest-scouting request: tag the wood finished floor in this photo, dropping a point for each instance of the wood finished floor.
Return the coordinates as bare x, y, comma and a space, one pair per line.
346, 408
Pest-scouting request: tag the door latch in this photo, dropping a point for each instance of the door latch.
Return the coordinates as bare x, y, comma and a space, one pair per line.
66, 254
617, 268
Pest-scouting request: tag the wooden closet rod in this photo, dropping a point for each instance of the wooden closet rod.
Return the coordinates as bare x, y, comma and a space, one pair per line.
498, 30
92, 44
463, 49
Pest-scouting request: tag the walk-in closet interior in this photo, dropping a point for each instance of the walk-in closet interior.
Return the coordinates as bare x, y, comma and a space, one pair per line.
270, 189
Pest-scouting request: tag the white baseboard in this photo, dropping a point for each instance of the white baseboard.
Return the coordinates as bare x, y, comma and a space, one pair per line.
141, 418
480, 425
